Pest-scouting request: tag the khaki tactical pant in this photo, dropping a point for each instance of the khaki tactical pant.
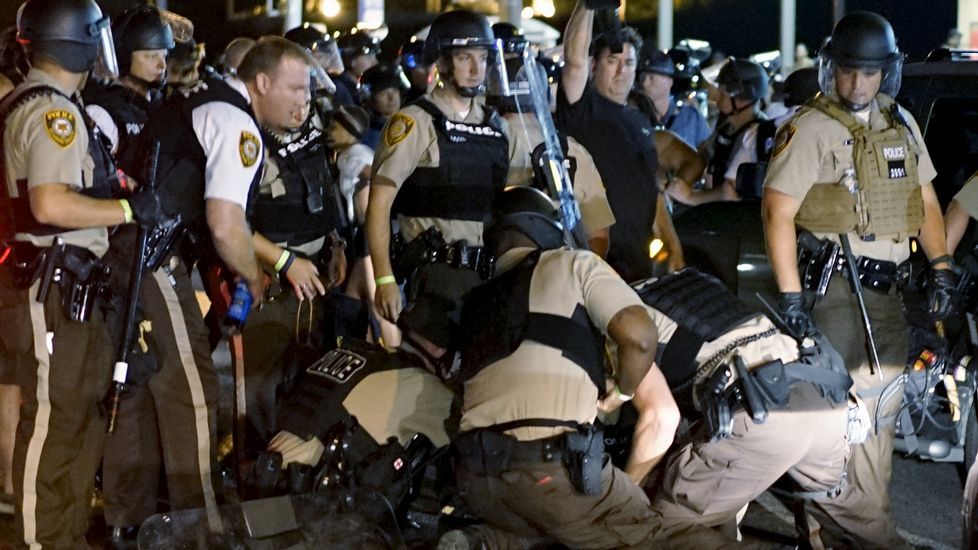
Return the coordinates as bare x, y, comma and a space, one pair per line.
172, 417
537, 501
862, 512
63, 369
706, 484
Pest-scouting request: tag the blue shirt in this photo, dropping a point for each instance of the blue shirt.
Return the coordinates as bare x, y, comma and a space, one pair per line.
687, 123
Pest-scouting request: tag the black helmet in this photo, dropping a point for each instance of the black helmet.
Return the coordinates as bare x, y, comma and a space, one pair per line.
514, 41
743, 79
457, 29
528, 211
356, 43
140, 28
800, 86
863, 39
657, 62
431, 317
68, 31
383, 76
308, 37
411, 54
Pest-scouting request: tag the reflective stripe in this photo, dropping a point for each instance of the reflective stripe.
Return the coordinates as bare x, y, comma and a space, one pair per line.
41, 418
196, 394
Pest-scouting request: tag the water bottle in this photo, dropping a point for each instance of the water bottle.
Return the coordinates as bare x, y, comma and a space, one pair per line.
237, 314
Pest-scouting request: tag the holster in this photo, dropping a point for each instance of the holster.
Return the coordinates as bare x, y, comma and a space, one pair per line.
163, 241
584, 459
817, 260
430, 247
715, 405
82, 277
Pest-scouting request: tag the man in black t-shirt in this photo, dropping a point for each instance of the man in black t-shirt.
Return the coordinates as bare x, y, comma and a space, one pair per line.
591, 107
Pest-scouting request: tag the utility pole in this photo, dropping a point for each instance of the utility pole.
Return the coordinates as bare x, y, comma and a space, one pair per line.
838, 10
665, 25
511, 11
788, 36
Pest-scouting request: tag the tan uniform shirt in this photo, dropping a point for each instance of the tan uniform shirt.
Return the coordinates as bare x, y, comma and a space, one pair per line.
46, 142
537, 381
588, 188
409, 140
814, 148
400, 403
967, 197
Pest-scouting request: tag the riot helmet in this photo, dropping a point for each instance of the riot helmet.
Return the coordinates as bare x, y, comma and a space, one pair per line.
743, 79
519, 99
464, 29
800, 86
141, 28
383, 76
356, 43
528, 211
411, 54
73, 33
320, 44
435, 319
861, 40
513, 39
657, 62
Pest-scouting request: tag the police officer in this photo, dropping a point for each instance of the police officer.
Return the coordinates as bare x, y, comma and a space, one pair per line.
518, 110
834, 165
296, 218
656, 72
531, 461
383, 88
411, 59
359, 51
209, 165
323, 48
795, 426
142, 39
443, 158
58, 184
591, 107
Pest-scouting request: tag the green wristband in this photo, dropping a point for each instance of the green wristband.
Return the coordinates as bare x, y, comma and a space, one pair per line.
385, 280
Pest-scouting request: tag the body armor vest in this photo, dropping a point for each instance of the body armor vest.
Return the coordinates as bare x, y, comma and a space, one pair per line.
496, 319
316, 403
180, 173
703, 310
472, 169
723, 150
104, 184
885, 199
307, 210
128, 110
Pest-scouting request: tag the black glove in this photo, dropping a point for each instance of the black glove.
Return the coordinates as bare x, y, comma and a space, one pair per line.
793, 307
146, 209
942, 294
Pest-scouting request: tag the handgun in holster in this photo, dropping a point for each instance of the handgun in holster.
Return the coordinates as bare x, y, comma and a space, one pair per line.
162, 241
408, 256
817, 260
715, 404
584, 458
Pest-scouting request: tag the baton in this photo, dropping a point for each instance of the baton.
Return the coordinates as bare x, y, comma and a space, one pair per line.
857, 289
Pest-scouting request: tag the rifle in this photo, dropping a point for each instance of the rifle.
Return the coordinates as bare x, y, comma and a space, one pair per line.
121, 367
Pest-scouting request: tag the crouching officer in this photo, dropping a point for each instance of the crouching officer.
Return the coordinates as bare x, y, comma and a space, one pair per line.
443, 158
367, 397
531, 462
768, 408
58, 184
852, 168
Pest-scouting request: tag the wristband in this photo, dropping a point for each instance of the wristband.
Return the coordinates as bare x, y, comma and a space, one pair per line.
945, 258
126, 209
621, 396
385, 280
282, 260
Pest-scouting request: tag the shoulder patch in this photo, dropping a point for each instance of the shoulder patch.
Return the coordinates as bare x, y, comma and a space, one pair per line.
60, 125
783, 139
248, 148
398, 128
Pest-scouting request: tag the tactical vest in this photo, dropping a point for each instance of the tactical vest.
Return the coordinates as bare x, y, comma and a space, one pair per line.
764, 144
496, 319
885, 202
723, 151
129, 112
473, 162
703, 310
104, 184
316, 403
182, 162
307, 210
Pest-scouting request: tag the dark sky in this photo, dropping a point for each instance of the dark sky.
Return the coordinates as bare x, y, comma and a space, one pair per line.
738, 27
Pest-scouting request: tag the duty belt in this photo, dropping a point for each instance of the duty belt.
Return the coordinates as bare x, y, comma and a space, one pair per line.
430, 248
878, 275
462, 256
819, 259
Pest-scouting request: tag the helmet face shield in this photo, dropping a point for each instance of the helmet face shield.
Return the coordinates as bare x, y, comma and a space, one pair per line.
181, 27
890, 80
320, 81
106, 59
328, 56
497, 81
